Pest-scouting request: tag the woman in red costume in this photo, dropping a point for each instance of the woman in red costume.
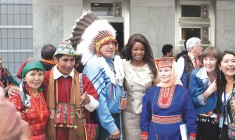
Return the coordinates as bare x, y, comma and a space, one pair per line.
30, 102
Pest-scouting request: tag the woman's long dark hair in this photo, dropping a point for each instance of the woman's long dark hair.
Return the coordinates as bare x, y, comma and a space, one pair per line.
148, 55
221, 82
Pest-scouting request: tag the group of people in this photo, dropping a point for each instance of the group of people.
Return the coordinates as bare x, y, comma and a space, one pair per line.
137, 98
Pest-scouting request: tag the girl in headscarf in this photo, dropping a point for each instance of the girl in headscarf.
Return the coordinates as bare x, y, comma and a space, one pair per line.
167, 106
30, 102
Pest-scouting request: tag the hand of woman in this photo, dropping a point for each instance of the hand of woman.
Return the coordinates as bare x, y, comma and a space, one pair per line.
211, 89
13, 90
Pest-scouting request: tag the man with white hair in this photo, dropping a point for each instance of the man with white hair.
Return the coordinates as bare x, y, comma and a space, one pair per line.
189, 62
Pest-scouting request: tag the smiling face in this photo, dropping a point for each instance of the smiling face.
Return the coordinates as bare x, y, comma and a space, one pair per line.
209, 64
137, 52
65, 64
108, 49
165, 74
227, 65
34, 79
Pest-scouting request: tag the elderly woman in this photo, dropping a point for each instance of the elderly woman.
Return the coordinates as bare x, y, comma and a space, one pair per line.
202, 88
167, 106
30, 102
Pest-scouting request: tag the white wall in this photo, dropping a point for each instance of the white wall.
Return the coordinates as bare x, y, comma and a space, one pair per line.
225, 25
53, 21
155, 19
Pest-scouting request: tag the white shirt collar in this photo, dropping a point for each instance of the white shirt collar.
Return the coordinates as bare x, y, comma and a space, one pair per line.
202, 74
58, 74
191, 56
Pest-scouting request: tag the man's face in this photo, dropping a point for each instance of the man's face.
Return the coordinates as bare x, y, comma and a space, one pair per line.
170, 54
65, 64
108, 49
198, 49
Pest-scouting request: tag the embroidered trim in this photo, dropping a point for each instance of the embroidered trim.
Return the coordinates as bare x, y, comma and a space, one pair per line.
165, 97
104, 40
80, 82
166, 119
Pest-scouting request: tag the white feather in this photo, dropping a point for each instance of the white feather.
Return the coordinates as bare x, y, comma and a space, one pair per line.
89, 34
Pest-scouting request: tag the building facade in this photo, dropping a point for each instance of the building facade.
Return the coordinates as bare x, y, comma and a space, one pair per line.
160, 21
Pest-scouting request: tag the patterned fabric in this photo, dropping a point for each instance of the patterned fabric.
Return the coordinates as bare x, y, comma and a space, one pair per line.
181, 105
86, 87
31, 115
166, 97
65, 48
6, 78
166, 119
109, 94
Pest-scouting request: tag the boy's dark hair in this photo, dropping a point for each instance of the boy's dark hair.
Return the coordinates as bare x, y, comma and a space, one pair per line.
166, 48
47, 51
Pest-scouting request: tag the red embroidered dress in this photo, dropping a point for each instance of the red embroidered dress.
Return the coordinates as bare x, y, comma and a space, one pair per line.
36, 115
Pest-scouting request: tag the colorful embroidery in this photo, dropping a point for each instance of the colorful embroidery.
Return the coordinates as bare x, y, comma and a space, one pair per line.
165, 97
166, 119
65, 115
232, 105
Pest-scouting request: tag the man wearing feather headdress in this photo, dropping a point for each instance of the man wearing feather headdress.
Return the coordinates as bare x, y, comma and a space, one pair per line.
103, 67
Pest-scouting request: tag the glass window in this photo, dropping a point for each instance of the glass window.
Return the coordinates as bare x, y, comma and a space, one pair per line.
10, 44
14, 40
10, 19
16, 19
102, 9
3, 20
10, 9
3, 9
191, 11
16, 33
16, 9
23, 9
23, 33
17, 44
23, 43
10, 33
4, 44
191, 32
23, 20
3, 33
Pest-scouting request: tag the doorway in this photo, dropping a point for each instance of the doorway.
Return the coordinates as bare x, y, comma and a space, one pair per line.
119, 34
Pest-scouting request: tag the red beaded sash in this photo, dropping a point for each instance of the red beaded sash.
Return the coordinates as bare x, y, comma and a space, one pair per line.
166, 119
